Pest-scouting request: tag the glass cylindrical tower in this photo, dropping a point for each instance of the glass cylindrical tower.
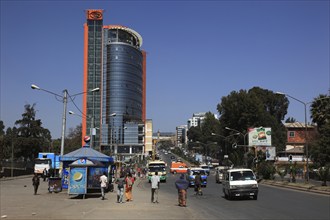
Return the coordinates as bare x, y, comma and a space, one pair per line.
122, 82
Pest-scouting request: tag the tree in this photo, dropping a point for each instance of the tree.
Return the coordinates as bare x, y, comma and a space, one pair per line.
73, 140
290, 120
29, 137
320, 114
3, 152
320, 110
255, 108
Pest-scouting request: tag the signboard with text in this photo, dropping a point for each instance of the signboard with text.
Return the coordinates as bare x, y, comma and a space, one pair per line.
260, 137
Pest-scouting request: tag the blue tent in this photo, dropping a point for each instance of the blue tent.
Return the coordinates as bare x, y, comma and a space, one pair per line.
86, 153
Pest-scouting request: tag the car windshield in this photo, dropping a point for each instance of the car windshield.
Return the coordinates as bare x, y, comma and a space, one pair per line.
156, 167
201, 172
242, 175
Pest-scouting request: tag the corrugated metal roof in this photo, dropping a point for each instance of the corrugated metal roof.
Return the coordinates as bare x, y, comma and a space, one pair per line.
297, 125
88, 153
296, 150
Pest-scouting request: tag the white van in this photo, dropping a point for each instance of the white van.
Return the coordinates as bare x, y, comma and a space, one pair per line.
240, 183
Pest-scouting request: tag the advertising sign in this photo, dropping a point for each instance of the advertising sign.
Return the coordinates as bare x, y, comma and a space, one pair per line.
260, 137
270, 152
94, 176
54, 184
78, 180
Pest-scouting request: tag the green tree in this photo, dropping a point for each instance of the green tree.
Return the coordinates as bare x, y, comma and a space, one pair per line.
290, 120
320, 114
3, 151
194, 134
254, 108
73, 140
320, 110
29, 137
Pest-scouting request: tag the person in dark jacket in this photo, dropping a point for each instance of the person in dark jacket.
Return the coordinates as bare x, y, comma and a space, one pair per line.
182, 185
35, 183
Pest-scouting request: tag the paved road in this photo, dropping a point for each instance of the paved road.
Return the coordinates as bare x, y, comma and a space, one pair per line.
18, 202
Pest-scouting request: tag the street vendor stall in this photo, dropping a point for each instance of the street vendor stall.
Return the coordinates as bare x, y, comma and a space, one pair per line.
84, 176
90, 163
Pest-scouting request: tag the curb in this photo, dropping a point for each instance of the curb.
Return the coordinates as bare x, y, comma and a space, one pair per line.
307, 188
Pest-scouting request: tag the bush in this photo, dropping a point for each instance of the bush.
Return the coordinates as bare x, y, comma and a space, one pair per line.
266, 170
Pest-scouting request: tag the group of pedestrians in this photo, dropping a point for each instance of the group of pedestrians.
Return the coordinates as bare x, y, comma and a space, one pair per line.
181, 185
124, 185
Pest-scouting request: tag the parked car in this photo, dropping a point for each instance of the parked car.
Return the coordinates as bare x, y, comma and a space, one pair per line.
240, 182
192, 172
206, 168
220, 173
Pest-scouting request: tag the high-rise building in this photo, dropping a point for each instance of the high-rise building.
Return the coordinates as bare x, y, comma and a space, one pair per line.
181, 135
115, 63
196, 120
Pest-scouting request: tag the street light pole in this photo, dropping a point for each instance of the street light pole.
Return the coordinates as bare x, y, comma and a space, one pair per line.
306, 144
65, 103
305, 111
225, 138
111, 130
64, 98
244, 143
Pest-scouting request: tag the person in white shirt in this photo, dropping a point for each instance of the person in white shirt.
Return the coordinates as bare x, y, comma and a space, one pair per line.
104, 183
155, 180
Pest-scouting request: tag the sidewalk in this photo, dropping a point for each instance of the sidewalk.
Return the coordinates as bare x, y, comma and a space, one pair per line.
18, 202
300, 184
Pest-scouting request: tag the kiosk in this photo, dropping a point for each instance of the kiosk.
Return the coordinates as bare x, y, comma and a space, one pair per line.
82, 169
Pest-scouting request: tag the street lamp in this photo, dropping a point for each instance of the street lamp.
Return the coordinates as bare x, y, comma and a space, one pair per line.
64, 99
238, 132
244, 143
225, 137
111, 115
306, 144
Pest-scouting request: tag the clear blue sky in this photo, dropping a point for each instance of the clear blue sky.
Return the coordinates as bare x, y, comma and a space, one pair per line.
197, 52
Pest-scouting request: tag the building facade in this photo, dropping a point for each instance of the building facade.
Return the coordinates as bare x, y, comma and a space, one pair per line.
115, 63
196, 119
181, 135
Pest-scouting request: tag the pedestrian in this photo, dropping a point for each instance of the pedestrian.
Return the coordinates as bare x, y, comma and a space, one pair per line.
155, 180
129, 182
44, 174
35, 183
104, 184
182, 185
120, 188
198, 184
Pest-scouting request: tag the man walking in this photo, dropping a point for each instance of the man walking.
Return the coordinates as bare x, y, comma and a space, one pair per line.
35, 183
198, 184
120, 188
155, 180
104, 183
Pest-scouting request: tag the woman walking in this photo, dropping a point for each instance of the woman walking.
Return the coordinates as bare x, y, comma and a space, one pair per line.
182, 185
129, 181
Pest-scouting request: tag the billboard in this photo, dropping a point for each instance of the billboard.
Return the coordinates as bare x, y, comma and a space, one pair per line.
260, 136
270, 152
78, 180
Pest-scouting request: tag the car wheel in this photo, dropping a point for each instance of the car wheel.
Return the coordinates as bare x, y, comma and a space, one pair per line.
255, 197
230, 197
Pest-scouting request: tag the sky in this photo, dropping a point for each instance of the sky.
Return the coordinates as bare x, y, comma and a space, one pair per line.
197, 53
